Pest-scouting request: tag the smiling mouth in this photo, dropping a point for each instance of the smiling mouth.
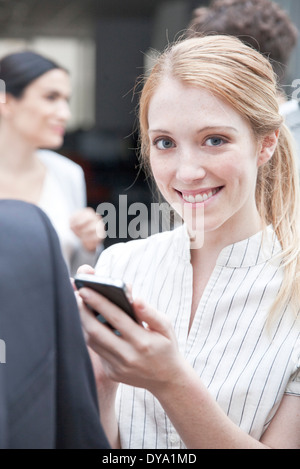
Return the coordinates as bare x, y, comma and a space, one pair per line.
200, 197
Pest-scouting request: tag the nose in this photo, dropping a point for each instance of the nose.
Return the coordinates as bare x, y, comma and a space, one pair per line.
191, 167
63, 110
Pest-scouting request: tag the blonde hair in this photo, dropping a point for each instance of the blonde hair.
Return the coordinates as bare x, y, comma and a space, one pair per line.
245, 79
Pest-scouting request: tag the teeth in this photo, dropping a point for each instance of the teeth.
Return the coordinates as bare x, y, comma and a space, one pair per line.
199, 197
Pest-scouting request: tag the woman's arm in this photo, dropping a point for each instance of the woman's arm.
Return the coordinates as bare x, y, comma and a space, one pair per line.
148, 357
202, 424
284, 430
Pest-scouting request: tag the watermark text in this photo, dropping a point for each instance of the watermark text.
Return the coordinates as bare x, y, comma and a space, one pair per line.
137, 220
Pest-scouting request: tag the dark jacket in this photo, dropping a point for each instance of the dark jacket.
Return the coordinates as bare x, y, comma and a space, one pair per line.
47, 389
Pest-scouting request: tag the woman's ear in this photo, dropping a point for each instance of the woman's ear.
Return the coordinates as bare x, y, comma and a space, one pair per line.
267, 147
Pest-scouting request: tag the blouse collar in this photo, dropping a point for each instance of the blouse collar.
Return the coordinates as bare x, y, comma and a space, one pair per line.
256, 249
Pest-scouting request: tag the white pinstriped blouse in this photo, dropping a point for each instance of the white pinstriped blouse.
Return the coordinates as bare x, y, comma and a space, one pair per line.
245, 366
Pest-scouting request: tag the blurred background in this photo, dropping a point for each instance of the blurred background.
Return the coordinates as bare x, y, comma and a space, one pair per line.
106, 45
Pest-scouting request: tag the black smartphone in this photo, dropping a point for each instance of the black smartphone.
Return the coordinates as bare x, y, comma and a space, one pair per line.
114, 290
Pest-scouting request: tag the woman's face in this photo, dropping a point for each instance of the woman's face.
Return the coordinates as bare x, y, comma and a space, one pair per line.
203, 156
41, 114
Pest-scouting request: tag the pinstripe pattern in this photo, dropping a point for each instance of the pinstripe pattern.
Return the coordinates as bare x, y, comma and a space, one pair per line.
246, 366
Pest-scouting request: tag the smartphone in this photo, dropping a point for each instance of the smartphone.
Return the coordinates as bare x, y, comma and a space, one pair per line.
114, 290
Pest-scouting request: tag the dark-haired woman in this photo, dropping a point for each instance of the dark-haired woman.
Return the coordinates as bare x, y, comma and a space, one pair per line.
34, 117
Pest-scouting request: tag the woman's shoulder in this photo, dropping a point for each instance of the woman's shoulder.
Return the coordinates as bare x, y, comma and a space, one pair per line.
60, 163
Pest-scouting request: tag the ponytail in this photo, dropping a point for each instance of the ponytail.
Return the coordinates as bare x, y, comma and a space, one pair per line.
277, 198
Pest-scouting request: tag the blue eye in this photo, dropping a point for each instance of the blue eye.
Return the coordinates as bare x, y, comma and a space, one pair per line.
164, 143
214, 141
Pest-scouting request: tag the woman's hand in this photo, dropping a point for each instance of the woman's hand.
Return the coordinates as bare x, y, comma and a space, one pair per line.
88, 227
146, 355
143, 355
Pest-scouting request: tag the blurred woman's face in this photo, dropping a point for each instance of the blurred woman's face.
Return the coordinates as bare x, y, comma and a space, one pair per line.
41, 114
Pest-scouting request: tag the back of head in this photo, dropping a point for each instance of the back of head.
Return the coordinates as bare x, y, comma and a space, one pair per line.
260, 23
19, 69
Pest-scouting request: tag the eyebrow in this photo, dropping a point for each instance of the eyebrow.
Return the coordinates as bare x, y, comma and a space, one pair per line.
222, 127
56, 92
208, 127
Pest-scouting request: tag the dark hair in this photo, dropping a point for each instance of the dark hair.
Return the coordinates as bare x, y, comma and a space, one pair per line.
261, 24
18, 70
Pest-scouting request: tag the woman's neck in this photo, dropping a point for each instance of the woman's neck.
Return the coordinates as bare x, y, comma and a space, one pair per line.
16, 154
22, 174
230, 233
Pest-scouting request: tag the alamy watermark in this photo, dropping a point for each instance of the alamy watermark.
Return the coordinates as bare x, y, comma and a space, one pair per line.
2, 351
137, 220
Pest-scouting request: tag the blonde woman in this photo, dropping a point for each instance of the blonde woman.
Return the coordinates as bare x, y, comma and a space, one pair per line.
215, 361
